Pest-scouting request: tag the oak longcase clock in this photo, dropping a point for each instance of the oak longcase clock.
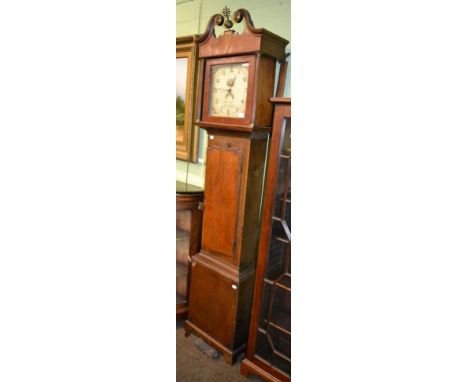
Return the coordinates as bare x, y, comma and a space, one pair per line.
236, 81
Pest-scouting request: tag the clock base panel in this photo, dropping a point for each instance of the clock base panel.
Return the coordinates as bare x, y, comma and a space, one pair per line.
230, 356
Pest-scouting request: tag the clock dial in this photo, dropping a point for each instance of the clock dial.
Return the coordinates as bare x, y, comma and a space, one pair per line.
229, 90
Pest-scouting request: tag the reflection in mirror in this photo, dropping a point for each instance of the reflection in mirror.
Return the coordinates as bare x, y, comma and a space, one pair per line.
181, 88
186, 131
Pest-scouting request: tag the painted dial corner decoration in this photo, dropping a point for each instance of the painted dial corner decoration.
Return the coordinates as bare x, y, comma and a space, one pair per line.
229, 90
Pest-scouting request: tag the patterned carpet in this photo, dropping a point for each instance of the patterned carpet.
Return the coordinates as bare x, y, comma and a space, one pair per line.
195, 366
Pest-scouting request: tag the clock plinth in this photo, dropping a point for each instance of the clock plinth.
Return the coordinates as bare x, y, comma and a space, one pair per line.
223, 272
221, 318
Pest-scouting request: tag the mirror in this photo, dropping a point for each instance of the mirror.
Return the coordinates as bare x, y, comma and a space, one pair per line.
186, 133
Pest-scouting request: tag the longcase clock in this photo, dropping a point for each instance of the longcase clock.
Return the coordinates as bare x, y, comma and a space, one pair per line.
236, 81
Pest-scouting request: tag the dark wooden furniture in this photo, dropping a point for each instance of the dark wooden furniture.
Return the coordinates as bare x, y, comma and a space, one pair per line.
223, 271
269, 345
188, 230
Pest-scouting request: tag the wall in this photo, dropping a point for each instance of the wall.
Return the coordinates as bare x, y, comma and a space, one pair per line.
192, 17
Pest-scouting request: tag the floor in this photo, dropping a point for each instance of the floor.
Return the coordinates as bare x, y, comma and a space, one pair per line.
195, 366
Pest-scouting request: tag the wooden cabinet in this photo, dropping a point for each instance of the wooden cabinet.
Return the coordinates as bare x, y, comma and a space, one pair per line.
240, 67
188, 229
269, 345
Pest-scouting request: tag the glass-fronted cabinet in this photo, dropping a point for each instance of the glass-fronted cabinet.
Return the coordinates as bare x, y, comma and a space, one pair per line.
269, 344
188, 230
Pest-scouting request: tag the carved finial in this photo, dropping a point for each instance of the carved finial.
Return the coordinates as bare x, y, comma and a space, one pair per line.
227, 13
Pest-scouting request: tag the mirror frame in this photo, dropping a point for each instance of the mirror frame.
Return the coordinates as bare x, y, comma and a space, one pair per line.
187, 150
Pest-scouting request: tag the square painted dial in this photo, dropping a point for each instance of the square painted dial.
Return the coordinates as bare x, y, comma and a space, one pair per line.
228, 93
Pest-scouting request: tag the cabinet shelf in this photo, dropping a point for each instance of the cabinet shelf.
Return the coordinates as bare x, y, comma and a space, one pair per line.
280, 319
284, 282
180, 298
181, 269
276, 326
182, 235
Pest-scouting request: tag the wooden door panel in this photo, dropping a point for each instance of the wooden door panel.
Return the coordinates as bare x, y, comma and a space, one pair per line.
212, 303
223, 189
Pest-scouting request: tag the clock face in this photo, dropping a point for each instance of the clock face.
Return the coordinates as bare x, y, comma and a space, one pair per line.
228, 94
